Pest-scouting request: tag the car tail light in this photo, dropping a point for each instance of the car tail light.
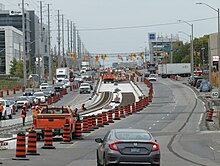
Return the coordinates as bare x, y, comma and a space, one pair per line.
113, 146
155, 146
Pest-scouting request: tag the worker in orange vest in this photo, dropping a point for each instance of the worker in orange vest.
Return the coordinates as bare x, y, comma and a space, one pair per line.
1, 110
23, 114
35, 111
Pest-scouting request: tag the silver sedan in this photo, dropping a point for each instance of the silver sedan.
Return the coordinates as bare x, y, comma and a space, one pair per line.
128, 146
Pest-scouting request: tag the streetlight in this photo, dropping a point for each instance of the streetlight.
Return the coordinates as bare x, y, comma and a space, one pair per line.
218, 43
191, 45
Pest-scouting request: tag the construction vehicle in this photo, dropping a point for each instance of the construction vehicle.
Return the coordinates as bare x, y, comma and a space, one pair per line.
54, 117
108, 76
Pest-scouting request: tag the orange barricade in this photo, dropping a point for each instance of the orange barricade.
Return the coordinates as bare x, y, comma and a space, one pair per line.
129, 109
104, 118
48, 139
100, 120
116, 112
78, 129
85, 125
21, 147
110, 119
90, 123
133, 107
209, 115
94, 124
32, 143
67, 136
122, 115
137, 106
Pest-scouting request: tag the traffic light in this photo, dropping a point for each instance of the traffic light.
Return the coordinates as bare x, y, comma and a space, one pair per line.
96, 58
103, 56
73, 55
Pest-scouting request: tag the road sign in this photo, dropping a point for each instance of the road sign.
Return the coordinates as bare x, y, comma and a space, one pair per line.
215, 94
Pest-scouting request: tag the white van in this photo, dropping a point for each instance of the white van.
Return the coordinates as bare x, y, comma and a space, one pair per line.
7, 110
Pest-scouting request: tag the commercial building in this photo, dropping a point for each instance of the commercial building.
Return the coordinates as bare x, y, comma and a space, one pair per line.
34, 46
160, 47
10, 47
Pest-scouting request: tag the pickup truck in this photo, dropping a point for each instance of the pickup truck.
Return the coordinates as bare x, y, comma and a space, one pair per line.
55, 118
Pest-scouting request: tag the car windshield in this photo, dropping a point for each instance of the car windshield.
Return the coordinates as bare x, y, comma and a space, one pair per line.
22, 99
84, 84
38, 94
28, 90
132, 136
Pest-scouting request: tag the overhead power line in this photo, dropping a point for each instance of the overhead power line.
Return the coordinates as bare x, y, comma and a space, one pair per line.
144, 26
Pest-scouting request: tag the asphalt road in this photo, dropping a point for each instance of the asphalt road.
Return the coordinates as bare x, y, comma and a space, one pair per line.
173, 117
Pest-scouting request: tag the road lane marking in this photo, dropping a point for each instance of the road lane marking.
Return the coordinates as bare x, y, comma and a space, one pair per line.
167, 114
158, 121
154, 124
163, 117
211, 148
150, 128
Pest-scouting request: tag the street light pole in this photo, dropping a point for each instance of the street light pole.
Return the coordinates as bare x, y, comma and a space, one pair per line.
218, 42
191, 47
24, 51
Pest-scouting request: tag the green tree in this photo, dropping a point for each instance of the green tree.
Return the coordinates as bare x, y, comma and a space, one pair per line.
13, 67
19, 69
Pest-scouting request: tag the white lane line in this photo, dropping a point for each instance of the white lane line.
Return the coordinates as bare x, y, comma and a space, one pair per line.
158, 121
150, 128
154, 124
163, 117
167, 114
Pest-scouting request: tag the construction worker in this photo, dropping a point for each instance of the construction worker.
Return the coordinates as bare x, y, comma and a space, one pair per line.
83, 107
23, 114
35, 112
1, 110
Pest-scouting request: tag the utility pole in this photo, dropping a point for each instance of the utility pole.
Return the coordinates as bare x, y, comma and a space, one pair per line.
41, 30
74, 38
49, 46
68, 44
71, 36
24, 46
63, 49
79, 48
171, 45
59, 39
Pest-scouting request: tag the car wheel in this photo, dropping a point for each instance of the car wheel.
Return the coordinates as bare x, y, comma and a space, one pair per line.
4, 117
97, 158
10, 116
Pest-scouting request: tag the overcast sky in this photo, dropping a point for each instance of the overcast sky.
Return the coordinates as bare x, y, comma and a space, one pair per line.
95, 14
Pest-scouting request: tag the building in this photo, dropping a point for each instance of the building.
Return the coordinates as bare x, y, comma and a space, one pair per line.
160, 47
10, 47
34, 46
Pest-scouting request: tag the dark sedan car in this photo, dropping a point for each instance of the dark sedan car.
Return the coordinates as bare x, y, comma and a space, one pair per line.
128, 146
28, 92
58, 86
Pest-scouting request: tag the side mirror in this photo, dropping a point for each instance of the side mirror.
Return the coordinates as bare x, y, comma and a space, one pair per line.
155, 140
98, 140
7, 105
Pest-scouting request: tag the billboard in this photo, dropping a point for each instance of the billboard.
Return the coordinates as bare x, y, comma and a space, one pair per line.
151, 36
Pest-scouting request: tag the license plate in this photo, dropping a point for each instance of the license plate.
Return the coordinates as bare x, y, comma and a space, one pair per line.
135, 150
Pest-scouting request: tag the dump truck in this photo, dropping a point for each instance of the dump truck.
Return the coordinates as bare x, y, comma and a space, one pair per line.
54, 117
